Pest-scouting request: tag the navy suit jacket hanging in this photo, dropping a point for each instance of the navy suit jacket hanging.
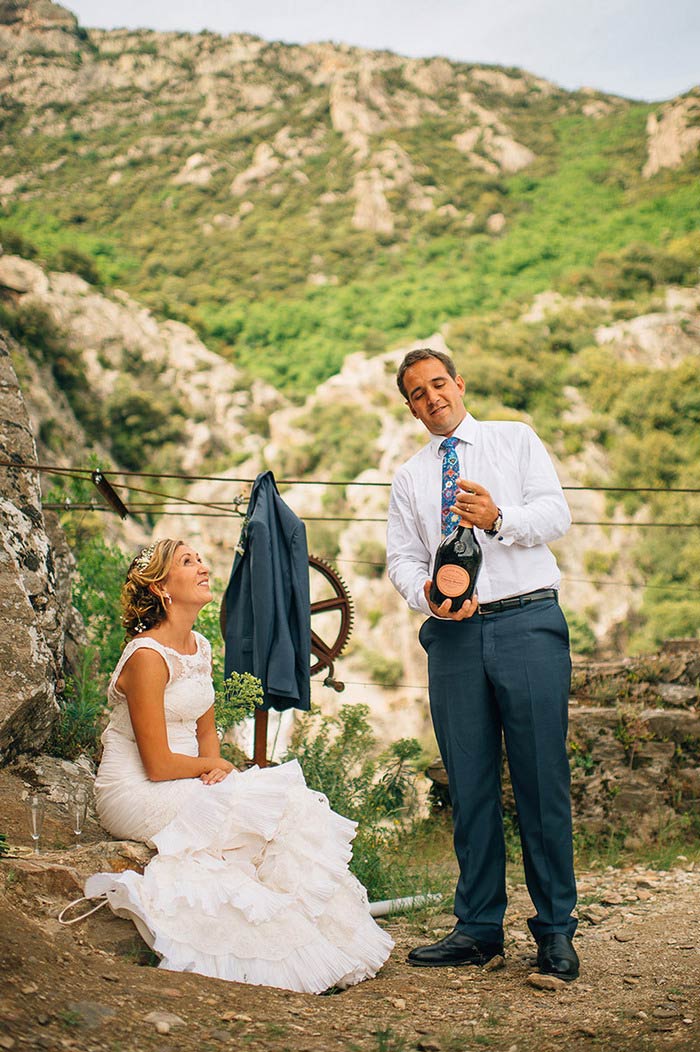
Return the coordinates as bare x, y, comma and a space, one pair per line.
267, 601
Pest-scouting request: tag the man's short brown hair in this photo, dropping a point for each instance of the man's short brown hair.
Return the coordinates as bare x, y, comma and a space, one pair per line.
420, 355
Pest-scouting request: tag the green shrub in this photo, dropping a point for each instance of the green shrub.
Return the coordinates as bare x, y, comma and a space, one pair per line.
142, 422
82, 708
16, 244
582, 637
76, 262
385, 671
339, 758
342, 443
370, 558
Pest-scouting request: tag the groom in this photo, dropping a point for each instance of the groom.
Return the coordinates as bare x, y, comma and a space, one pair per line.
498, 666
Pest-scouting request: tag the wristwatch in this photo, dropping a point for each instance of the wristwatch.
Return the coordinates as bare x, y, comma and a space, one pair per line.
497, 523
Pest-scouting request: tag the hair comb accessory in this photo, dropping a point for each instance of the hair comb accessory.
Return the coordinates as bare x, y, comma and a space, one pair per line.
144, 557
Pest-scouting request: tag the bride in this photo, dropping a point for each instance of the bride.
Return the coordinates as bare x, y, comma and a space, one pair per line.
251, 880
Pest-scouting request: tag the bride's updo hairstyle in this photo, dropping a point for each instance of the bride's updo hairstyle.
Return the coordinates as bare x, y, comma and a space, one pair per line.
141, 608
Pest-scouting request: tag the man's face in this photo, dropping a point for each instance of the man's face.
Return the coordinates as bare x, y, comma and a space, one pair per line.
434, 397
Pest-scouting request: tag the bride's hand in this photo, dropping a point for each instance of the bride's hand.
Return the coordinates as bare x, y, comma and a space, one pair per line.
217, 775
219, 770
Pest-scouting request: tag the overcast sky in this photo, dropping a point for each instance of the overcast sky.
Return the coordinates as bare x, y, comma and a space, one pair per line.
643, 49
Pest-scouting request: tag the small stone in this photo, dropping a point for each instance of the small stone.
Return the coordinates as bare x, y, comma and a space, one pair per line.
429, 1044
6, 1041
238, 1017
623, 936
643, 895
594, 914
162, 1027
399, 1003
30, 988
109, 978
586, 1031
686, 946
169, 991
630, 980
163, 1017
494, 964
43, 1019
688, 1021
611, 898
92, 1013
666, 1012
545, 982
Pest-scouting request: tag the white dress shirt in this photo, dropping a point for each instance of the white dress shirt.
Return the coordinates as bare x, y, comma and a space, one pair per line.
510, 461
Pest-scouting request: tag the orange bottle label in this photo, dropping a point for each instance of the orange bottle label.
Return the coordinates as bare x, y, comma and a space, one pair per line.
452, 580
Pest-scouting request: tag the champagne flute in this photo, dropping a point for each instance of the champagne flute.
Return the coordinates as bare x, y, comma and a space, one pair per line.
77, 806
35, 804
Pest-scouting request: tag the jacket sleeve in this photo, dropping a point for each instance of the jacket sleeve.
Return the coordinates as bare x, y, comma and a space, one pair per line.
262, 597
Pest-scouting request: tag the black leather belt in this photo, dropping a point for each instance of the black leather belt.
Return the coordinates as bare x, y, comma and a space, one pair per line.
517, 600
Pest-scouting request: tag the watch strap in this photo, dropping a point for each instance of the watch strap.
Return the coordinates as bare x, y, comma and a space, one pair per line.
497, 523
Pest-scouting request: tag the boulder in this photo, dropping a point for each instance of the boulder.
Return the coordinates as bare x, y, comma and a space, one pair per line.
33, 597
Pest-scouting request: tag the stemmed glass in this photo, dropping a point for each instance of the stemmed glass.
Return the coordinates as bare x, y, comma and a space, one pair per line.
77, 808
35, 804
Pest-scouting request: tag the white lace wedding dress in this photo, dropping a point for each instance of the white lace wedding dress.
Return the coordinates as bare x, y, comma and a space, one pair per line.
251, 879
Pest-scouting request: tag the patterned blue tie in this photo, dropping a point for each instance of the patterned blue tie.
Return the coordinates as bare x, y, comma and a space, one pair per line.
450, 474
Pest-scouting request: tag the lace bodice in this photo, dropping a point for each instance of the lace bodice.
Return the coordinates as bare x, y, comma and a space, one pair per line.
188, 693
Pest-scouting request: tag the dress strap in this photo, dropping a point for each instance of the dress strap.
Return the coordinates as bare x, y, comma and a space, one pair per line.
139, 643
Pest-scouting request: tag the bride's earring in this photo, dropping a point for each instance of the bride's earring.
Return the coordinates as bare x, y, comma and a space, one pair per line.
168, 598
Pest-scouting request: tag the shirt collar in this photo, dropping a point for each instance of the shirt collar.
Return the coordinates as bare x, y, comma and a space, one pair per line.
465, 432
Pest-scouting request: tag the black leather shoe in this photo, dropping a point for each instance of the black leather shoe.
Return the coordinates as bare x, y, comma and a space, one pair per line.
456, 948
556, 956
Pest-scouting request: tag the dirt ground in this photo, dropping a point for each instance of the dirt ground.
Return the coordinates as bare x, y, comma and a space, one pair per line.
93, 986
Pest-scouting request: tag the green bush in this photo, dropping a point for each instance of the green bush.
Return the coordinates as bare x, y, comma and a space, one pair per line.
338, 756
82, 711
15, 244
76, 262
343, 440
100, 572
635, 268
370, 556
142, 422
582, 636
385, 671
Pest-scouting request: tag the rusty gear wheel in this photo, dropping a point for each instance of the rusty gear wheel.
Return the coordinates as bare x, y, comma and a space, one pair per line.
331, 617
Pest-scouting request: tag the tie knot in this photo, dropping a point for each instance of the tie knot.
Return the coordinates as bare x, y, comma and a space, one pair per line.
448, 444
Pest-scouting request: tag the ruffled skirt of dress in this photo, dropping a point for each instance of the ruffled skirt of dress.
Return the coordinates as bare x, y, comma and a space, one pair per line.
251, 884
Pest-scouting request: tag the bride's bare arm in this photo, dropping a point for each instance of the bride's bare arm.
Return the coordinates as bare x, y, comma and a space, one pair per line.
208, 743
143, 681
207, 738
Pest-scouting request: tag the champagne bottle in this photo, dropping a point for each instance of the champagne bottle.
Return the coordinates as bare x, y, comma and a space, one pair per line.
457, 564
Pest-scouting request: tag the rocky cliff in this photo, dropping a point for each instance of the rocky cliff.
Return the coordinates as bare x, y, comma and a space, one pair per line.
34, 584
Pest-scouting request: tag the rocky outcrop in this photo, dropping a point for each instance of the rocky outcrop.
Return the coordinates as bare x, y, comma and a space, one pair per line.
124, 350
37, 25
673, 134
33, 597
634, 743
660, 340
